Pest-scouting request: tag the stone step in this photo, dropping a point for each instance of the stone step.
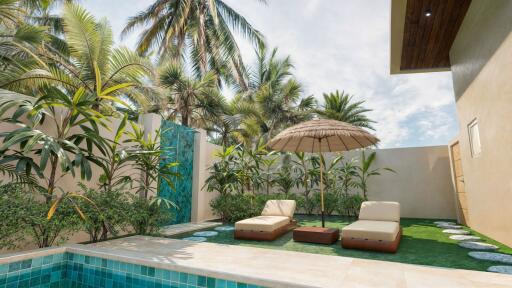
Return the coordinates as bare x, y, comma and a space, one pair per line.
456, 231
449, 226
206, 233
195, 239
444, 223
491, 256
503, 269
473, 245
464, 237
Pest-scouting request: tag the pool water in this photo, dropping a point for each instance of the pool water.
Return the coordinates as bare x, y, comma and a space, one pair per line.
76, 270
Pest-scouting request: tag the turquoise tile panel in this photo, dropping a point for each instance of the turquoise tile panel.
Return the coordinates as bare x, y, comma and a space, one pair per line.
177, 143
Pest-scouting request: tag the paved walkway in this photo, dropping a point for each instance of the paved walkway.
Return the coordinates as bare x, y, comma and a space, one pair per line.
187, 227
275, 268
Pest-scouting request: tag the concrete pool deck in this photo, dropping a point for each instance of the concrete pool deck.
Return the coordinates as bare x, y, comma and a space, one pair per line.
276, 268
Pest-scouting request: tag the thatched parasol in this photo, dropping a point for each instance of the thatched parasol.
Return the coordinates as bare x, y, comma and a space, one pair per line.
322, 135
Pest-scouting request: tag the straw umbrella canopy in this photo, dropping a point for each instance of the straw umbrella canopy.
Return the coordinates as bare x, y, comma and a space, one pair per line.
322, 135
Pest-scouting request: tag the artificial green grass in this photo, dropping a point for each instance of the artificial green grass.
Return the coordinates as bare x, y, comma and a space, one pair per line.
422, 243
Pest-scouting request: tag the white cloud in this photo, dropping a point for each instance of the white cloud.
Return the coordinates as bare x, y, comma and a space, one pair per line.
342, 45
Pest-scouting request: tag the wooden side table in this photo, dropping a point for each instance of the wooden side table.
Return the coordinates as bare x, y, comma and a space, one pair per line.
317, 235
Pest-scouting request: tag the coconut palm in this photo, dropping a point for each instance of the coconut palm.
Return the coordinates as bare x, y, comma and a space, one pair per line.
199, 30
84, 57
341, 107
275, 94
196, 101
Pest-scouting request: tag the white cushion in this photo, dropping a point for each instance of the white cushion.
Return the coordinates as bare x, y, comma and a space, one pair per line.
262, 223
279, 208
380, 211
371, 230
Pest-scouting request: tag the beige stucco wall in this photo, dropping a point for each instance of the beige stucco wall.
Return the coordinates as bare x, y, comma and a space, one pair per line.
481, 58
203, 159
421, 184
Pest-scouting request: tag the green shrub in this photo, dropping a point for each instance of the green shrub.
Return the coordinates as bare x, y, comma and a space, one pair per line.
109, 214
307, 205
350, 204
146, 216
331, 202
24, 215
235, 207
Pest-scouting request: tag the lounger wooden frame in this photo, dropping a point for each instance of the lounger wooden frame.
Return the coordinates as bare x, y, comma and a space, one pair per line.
265, 235
374, 245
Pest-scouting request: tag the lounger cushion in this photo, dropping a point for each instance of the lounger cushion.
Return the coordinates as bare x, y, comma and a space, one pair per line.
262, 223
380, 211
279, 208
371, 230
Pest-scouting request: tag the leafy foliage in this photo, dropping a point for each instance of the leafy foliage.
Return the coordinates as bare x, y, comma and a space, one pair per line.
23, 214
342, 107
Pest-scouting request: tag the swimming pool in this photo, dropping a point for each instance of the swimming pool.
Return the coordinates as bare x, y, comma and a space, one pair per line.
76, 270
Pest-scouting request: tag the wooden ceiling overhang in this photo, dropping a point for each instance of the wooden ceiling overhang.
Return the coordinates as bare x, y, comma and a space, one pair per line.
422, 33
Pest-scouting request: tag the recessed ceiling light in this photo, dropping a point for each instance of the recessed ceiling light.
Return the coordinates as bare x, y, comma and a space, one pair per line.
428, 13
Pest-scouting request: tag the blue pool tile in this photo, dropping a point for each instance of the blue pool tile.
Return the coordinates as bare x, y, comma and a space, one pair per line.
175, 276
201, 281
192, 279
74, 270
4, 268
219, 283
14, 266
183, 277
210, 282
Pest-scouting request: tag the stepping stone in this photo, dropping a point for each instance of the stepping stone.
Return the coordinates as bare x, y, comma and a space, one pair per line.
195, 239
464, 237
456, 231
490, 256
224, 228
501, 269
477, 245
444, 223
449, 226
205, 234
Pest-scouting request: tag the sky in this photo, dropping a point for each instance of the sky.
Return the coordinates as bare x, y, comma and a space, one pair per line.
337, 45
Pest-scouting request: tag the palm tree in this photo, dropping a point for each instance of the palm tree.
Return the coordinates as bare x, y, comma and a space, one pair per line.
275, 95
341, 107
197, 101
84, 57
197, 30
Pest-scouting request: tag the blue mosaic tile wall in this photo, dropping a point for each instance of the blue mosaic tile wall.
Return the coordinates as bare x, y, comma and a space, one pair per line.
177, 142
75, 270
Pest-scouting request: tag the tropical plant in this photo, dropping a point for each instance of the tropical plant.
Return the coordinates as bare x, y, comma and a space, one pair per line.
274, 95
84, 58
267, 165
347, 174
350, 205
148, 156
285, 179
116, 162
108, 216
223, 179
74, 122
342, 107
199, 31
366, 171
196, 101
24, 219
146, 216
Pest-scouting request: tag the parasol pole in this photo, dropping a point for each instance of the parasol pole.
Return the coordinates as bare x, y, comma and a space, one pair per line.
322, 183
